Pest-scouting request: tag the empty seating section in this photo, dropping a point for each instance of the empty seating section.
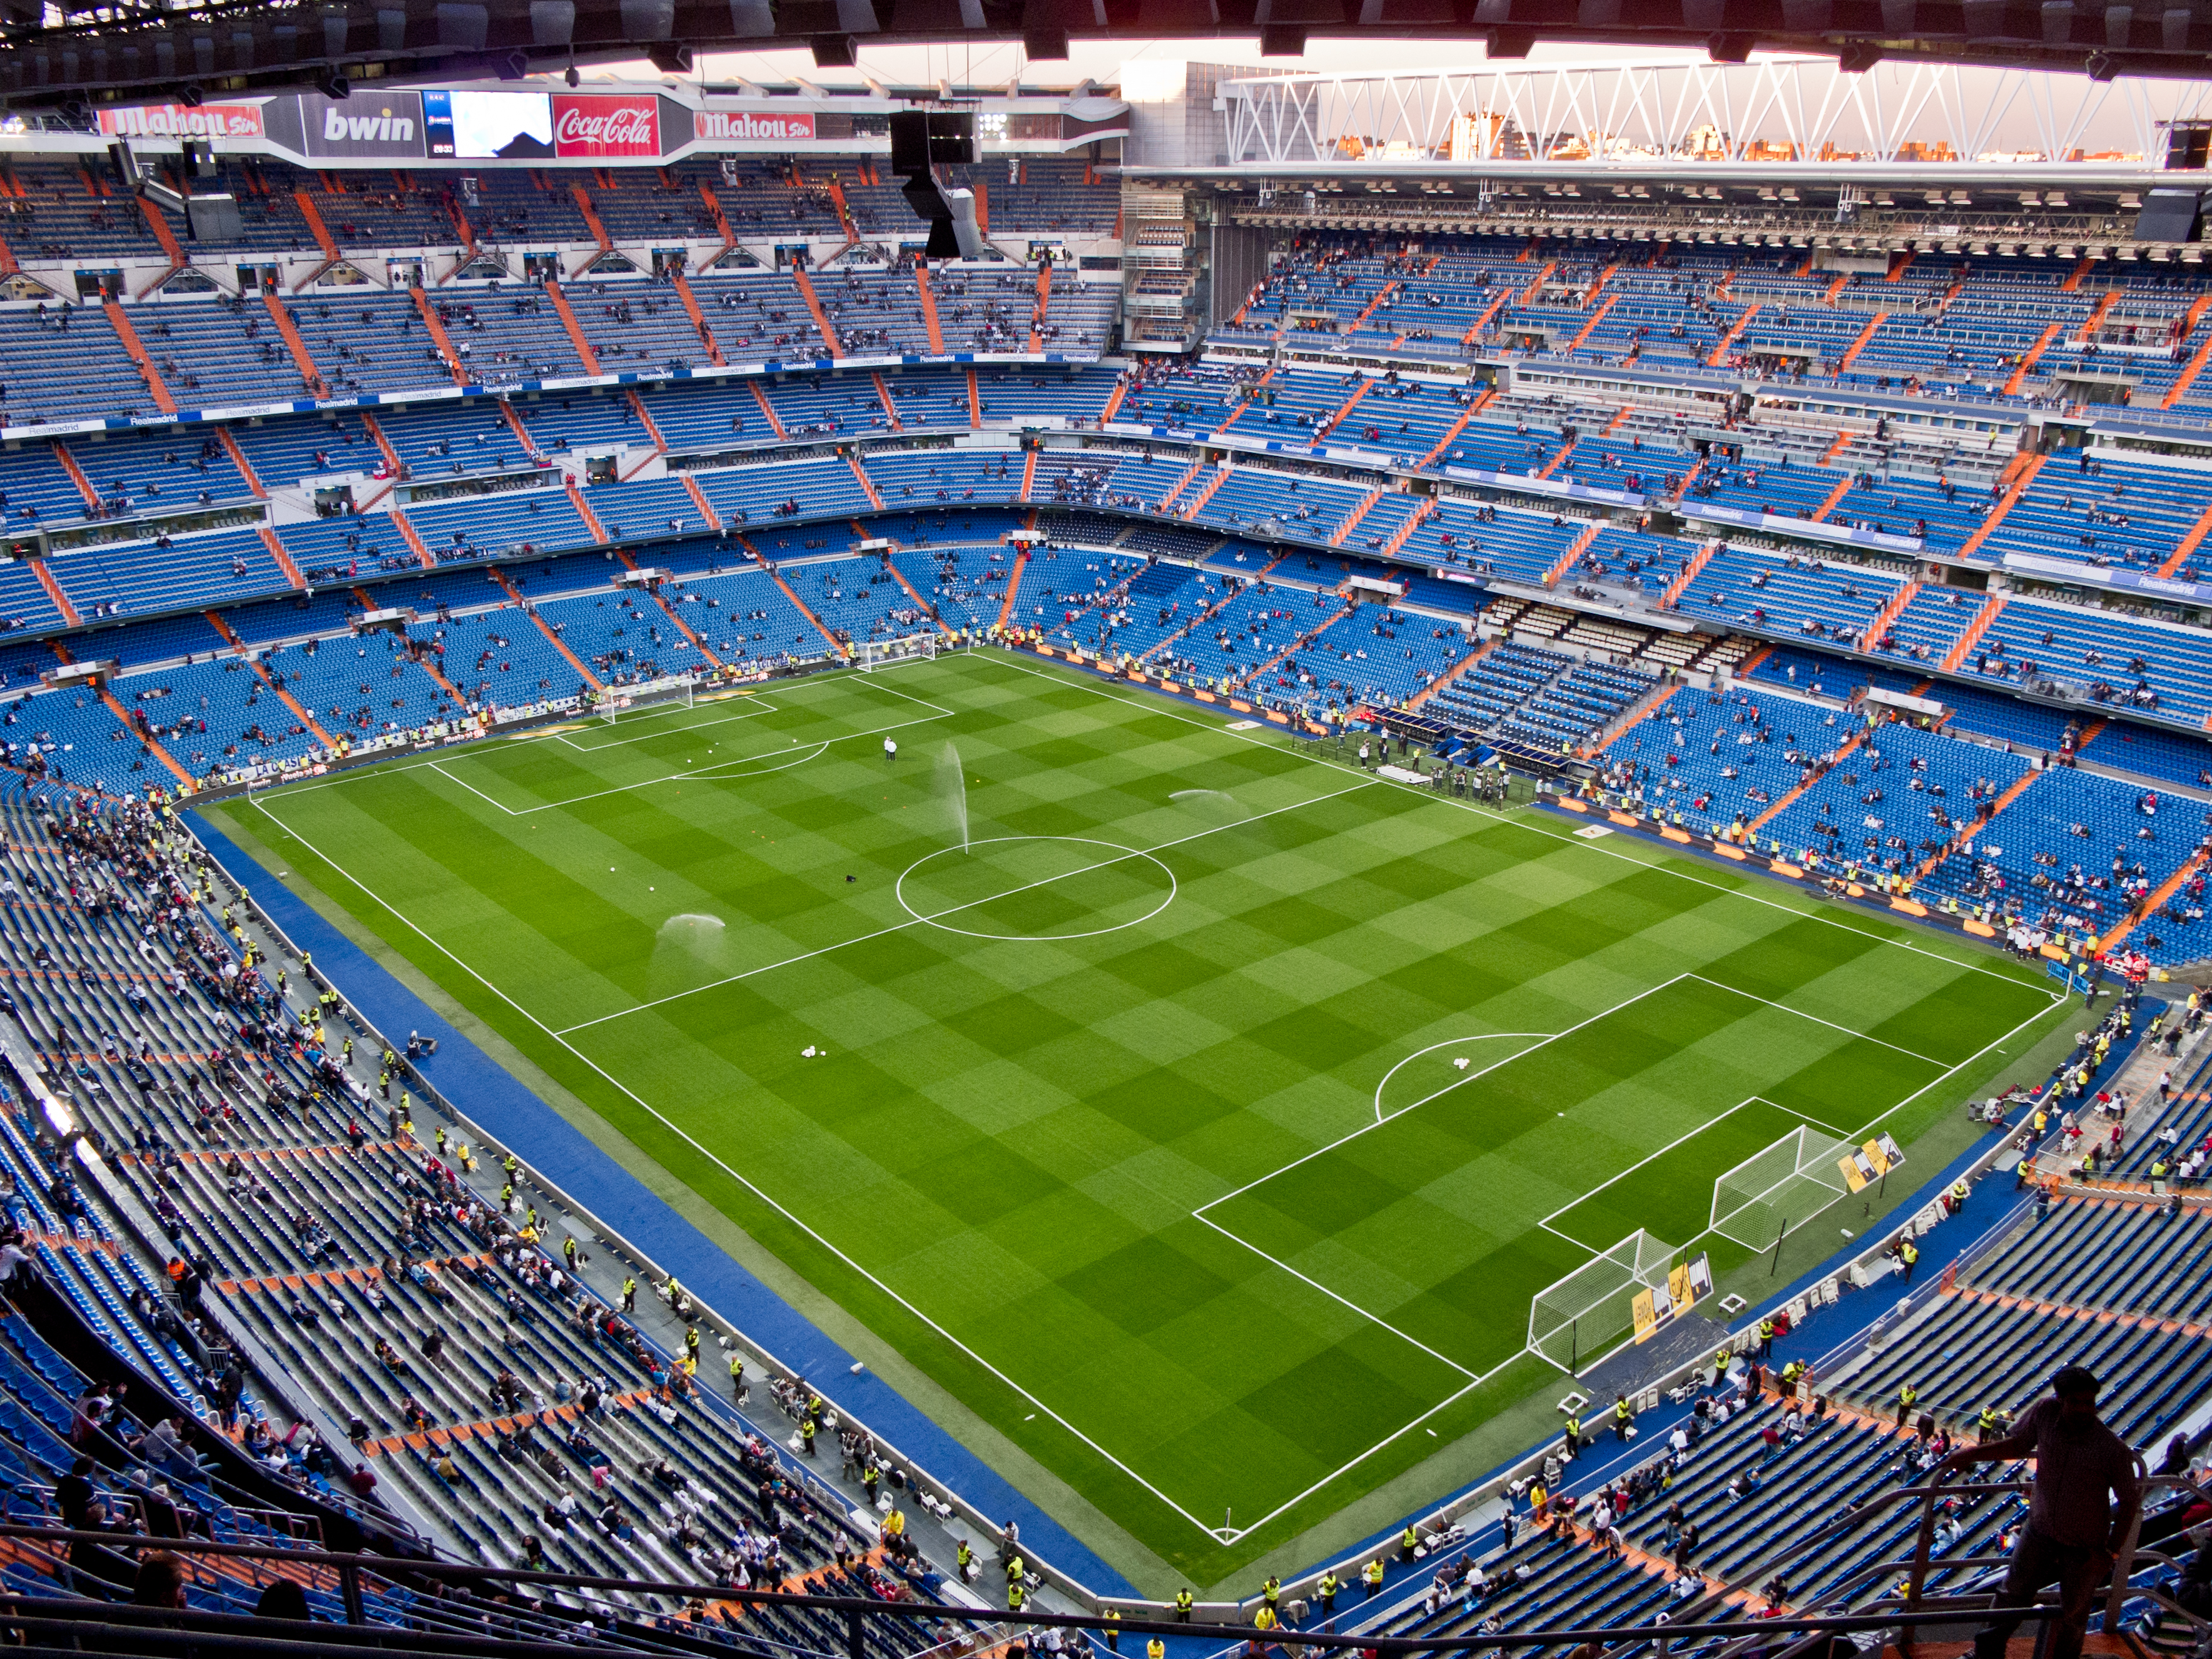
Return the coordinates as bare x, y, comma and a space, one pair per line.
1931, 623
66, 364
431, 439
1970, 1352
1798, 594
2121, 1258
1891, 802
944, 478
1503, 541
515, 521
2122, 514
790, 489
2112, 661
2071, 850
215, 568
1582, 701
967, 585
1718, 757
857, 598
1505, 679
2164, 756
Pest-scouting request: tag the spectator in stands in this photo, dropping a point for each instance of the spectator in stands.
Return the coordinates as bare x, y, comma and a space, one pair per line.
283, 1599
160, 1581
2083, 1504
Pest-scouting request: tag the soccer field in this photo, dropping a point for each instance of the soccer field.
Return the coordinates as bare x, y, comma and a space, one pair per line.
1203, 1115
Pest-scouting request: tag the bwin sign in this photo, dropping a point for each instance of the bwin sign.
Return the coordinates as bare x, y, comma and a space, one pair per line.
368, 127
382, 128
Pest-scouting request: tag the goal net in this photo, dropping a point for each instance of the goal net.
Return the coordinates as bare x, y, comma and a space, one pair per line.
1586, 1315
1780, 1189
674, 691
881, 653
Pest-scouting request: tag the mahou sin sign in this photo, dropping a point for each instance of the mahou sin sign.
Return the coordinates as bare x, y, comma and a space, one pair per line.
750, 125
627, 126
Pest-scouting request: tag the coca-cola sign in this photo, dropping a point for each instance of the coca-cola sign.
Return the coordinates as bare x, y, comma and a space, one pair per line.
753, 126
606, 126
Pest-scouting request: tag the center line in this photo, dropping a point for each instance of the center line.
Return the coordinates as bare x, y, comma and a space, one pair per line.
991, 898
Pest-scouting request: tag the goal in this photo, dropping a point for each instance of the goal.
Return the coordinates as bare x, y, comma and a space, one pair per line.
881, 653
1780, 1189
1583, 1317
672, 690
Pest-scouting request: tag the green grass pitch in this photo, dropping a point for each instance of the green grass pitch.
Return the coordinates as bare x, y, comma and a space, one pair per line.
1136, 1122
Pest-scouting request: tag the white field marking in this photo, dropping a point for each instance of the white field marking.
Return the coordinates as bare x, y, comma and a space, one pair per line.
1537, 826
711, 1157
1449, 1042
1455, 1084
1720, 985
914, 920
378, 769
385, 768
1344, 1301
786, 758
1749, 1100
898, 889
1221, 1534
708, 773
1336, 1475
749, 708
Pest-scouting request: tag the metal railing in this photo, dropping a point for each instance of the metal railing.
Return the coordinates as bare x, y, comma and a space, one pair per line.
352, 1576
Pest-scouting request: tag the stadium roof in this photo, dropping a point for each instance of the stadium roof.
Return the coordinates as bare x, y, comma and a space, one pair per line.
64, 52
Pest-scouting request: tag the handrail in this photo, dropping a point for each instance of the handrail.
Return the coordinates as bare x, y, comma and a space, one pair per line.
458, 1572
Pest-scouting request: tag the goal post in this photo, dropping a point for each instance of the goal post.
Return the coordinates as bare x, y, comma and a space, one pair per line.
881, 653
1780, 1189
1581, 1318
670, 691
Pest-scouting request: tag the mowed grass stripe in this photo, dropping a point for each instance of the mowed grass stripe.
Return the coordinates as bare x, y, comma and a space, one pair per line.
1013, 1135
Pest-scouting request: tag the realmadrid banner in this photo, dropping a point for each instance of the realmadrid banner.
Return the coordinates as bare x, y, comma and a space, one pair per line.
596, 126
369, 126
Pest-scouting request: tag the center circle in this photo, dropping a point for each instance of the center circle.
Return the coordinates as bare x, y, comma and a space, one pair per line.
1072, 884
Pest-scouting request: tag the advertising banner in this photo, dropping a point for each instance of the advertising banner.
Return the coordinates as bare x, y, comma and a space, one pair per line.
753, 126
176, 121
369, 126
623, 127
481, 126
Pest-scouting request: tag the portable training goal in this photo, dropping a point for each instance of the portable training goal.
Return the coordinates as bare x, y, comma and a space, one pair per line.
1585, 1316
671, 691
1779, 1190
881, 653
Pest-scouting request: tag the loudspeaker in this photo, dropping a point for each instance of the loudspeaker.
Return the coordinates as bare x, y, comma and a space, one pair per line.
2188, 145
213, 219
920, 138
2167, 216
910, 142
950, 216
